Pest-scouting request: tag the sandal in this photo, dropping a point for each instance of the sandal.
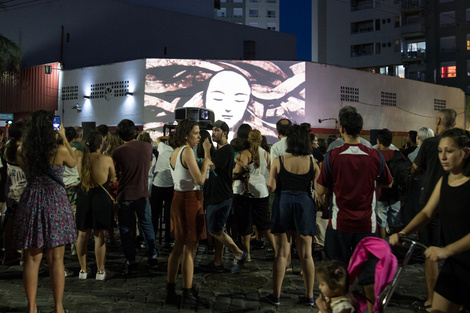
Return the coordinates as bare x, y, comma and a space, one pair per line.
290, 268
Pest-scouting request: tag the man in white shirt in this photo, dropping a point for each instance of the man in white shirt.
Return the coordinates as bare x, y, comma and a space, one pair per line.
279, 148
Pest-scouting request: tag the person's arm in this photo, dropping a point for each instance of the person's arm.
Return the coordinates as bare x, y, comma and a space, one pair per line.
438, 253
419, 164
65, 151
111, 170
189, 160
415, 170
242, 163
322, 181
422, 218
273, 174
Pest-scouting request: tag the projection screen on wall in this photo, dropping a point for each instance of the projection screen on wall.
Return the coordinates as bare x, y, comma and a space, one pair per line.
258, 93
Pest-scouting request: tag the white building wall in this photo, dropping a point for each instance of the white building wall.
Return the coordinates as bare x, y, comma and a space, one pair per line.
322, 94
109, 109
414, 100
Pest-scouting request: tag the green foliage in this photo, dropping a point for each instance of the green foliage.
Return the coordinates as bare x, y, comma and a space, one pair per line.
10, 55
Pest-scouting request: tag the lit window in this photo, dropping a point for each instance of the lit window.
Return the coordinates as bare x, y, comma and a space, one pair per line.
468, 41
448, 69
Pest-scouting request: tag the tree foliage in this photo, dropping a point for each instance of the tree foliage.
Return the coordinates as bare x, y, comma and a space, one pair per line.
10, 55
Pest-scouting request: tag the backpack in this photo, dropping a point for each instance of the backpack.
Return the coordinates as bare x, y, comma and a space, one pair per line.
400, 168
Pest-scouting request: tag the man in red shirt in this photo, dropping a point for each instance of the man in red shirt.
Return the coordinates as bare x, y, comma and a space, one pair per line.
350, 172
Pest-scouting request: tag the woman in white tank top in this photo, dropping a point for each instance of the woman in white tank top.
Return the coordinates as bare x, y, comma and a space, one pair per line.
187, 224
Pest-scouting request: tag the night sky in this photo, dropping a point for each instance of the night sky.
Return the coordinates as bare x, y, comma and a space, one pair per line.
296, 18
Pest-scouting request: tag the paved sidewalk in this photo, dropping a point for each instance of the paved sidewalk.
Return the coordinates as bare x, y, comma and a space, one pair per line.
144, 291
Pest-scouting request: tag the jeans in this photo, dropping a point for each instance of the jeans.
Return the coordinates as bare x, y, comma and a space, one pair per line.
141, 207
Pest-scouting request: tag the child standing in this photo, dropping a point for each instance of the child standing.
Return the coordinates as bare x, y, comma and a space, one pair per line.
333, 282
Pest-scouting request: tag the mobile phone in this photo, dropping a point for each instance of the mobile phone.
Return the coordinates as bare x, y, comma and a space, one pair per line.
56, 123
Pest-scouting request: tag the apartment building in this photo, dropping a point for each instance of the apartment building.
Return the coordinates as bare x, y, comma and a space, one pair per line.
256, 13
425, 40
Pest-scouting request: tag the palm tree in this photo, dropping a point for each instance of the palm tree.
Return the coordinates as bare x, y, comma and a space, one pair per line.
10, 55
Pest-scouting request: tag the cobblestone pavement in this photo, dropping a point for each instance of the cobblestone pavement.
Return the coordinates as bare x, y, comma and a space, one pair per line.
144, 291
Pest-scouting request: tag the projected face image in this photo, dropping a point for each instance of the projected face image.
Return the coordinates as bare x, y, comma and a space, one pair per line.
258, 93
228, 95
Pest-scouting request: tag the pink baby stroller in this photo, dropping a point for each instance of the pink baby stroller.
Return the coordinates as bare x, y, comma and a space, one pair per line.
387, 271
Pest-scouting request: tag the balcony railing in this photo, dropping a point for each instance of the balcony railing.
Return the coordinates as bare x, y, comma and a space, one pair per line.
412, 4
413, 28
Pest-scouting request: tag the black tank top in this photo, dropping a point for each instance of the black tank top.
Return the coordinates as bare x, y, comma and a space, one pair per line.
454, 213
295, 182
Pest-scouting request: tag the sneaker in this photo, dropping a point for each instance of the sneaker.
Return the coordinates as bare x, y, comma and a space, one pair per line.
68, 273
211, 267
248, 259
307, 301
239, 262
103, 275
272, 299
152, 263
83, 274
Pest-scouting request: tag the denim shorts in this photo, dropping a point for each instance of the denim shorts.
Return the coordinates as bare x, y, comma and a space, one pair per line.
294, 210
388, 213
217, 215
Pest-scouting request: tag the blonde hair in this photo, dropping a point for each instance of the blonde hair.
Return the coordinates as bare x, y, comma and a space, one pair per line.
114, 141
144, 136
255, 138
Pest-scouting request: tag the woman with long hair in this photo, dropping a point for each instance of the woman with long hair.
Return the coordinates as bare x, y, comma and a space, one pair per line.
44, 220
292, 176
114, 141
15, 186
94, 203
449, 199
253, 209
188, 224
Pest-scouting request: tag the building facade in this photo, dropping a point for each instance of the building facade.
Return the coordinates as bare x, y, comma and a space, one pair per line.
425, 40
256, 13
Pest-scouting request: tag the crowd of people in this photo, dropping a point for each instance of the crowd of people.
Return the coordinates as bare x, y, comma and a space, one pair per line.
192, 185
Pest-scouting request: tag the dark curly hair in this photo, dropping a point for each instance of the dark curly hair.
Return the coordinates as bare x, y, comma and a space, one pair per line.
39, 143
16, 131
182, 130
298, 140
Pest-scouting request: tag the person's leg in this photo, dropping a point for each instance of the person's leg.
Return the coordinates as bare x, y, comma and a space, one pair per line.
32, 260
156, 207
55, 258
243, 210
381, 210
125, 216
270, 237
187, 264
280, 261
442, 305
218, 252
142, 208
100, 248
304, 249
82, 247
174, 262
217, 216
8, 222
431, 272
167, 206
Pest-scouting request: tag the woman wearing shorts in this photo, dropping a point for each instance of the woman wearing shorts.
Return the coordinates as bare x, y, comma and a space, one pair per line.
292, 176
187, 220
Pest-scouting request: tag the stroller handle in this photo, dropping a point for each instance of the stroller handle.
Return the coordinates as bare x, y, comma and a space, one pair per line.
412, 242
